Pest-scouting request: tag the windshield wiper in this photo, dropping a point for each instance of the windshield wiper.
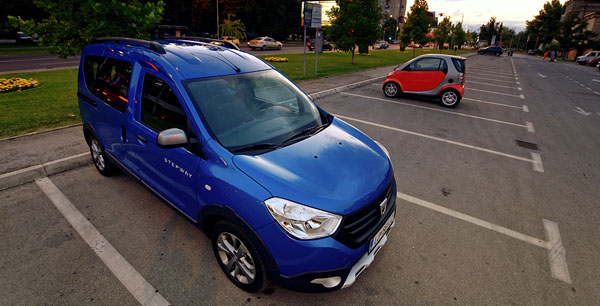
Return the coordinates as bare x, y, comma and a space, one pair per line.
307, 132
257, 146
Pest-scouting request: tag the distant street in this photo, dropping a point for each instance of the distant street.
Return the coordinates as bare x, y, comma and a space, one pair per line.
49, 61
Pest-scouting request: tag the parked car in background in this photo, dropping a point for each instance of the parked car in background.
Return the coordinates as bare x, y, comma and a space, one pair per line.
433, 75
213, 41
584, 59
381, 44
284, 190
311, 44
232, 40
491, 50
264, 43
594, 61
21, 38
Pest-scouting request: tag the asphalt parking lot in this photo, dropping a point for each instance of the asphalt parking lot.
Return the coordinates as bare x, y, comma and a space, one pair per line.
498, 205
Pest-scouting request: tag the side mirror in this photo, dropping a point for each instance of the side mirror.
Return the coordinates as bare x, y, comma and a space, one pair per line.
171, 138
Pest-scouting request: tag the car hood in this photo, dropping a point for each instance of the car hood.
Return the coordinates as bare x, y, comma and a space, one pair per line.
338, 170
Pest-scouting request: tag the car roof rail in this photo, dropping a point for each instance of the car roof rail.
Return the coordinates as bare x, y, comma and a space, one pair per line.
152, 45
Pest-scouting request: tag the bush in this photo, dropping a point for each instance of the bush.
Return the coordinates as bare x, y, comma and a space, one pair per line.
17, 84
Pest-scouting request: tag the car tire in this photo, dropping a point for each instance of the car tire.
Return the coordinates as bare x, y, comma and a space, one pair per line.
582, 62
391, 90
264, 48
103, 164
449, 98
247, 271
278, 47
498, 53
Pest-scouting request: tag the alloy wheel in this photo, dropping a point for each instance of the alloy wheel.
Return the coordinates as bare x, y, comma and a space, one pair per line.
236, 258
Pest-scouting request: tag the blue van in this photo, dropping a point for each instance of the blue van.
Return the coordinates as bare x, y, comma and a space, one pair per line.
287, 192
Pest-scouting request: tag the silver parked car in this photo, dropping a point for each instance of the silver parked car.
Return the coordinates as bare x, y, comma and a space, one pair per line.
583, 60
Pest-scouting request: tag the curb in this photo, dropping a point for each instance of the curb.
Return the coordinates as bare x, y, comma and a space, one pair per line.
329, 92
26, 175
41, 132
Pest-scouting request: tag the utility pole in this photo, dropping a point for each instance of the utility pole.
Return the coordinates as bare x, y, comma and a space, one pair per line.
218, 35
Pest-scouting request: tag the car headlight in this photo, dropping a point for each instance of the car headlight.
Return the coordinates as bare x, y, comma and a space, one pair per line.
301, 221
391, 73
384, 150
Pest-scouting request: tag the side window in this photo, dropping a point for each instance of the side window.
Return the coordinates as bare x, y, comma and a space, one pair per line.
428, 64
161, 109
108, 79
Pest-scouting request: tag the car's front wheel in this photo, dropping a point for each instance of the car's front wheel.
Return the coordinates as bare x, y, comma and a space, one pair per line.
101, 161
278, 47
238, 257
264, 47
391, 89
449, 98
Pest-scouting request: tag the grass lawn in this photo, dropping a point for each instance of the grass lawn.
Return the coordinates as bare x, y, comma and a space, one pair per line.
54, 103
332, 63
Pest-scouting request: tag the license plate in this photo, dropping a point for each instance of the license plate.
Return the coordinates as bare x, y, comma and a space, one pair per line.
384, 229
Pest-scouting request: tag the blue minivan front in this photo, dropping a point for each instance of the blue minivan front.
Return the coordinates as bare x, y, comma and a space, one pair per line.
286, 191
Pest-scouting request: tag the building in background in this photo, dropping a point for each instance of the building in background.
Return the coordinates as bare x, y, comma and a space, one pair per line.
582, 7
393, 9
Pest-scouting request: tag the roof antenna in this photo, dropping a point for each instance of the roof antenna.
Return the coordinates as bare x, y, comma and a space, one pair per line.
236, 68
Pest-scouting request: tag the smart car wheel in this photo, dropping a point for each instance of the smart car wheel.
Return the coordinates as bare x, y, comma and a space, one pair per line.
391, 90
102, 163
264, 47
449, 98
238, 257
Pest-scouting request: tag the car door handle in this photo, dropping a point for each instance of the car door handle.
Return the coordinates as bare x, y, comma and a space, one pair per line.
141, 138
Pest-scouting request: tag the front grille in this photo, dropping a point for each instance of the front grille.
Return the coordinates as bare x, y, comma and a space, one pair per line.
360, 226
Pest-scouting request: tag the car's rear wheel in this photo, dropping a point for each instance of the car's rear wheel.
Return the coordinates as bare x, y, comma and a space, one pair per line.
449, 98
497, 53
278, 47
264, 47
100, 159
391, 89
238, 257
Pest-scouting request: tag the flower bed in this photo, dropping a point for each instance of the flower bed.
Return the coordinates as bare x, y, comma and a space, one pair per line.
17, 84
276, 59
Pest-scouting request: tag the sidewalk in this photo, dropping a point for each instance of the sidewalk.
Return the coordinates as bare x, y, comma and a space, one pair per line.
25, 158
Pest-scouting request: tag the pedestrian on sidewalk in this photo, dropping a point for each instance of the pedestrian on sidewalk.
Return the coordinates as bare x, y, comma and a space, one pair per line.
545, 56
552, 56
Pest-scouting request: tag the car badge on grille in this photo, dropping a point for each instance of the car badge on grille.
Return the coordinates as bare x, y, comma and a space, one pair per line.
383, 206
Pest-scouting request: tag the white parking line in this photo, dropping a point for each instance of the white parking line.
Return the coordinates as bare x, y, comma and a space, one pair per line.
436, 110
525, 108
530, 128
495, 103
556, 251
493, 75
464, 145
588, 88
488, 84
492, 80
497, 93
507, 73
143, 291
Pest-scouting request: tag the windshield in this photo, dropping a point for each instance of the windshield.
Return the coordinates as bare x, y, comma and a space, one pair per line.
254, 111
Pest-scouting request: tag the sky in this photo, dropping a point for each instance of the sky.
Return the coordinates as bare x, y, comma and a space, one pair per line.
513, 13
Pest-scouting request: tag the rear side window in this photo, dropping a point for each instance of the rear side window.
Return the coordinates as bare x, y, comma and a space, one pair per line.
428, 64
108, 79
459, 65
161, 109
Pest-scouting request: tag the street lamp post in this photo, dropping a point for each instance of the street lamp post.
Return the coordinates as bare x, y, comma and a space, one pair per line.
218, 35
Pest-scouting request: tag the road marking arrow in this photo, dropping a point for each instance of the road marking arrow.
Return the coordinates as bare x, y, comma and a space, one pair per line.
581, 111
541, 75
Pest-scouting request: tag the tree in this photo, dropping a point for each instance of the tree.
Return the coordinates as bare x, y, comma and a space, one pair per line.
442, 32
233, 28
417, 24
72, 24
354, 23
489, 30
472, 38
460, 37
389, 28
573, 34
546, 25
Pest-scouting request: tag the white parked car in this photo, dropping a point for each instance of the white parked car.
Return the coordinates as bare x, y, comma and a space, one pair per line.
584, 59
264, 43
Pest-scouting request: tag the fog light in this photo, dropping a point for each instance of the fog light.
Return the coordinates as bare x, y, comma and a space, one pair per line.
328, 282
